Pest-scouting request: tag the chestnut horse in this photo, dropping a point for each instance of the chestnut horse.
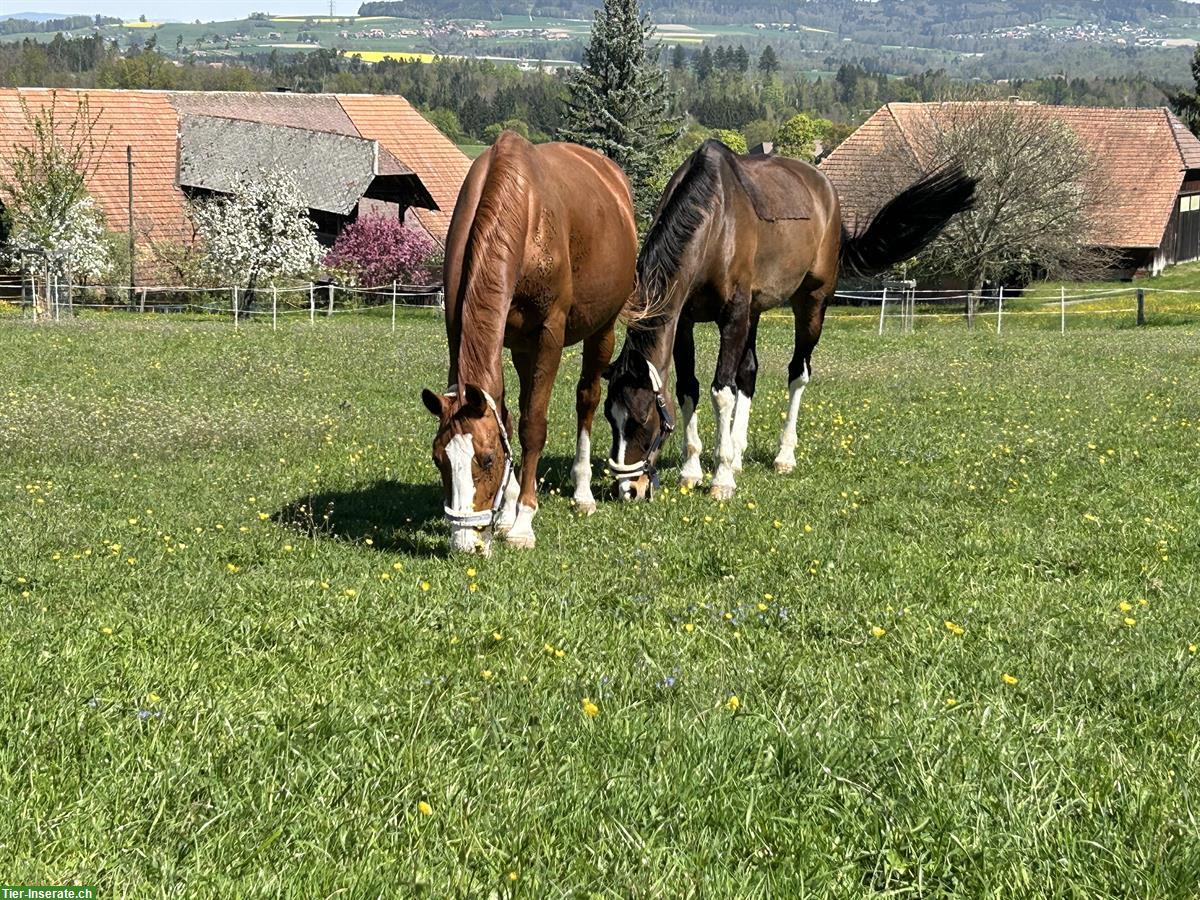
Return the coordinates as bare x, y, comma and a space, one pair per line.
540, 255
735, 236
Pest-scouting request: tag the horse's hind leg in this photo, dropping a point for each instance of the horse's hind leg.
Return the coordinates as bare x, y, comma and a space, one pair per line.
597, 351
687, 393
809, 312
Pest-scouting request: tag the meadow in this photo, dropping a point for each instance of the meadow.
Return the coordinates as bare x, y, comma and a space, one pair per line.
952, 655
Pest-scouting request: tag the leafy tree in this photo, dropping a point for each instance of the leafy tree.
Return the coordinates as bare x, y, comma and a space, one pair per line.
619, 101
52, 223
492, 132
377, 250
260, 231
798, 136
734, 140
446, 121
1035, 206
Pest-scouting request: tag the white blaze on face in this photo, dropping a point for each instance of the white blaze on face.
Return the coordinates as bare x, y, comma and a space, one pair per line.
620, 417
460, 451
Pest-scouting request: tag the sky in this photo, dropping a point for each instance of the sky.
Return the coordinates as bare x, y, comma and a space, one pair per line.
180, 10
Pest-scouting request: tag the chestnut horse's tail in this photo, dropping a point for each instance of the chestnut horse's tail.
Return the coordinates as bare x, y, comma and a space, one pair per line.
908, 222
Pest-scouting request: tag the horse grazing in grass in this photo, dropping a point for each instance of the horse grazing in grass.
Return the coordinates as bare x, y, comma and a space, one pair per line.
540, 255
735, 236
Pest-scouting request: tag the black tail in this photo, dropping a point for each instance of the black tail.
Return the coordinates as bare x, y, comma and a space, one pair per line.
909, 221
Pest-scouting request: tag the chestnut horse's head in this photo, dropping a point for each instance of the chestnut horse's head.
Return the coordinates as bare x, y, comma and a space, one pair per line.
636, 408
472, 452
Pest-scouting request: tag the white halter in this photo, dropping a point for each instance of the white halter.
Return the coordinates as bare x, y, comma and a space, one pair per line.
485, 518
625, 471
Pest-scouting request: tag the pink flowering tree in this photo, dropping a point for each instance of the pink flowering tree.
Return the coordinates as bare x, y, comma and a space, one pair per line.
377, 250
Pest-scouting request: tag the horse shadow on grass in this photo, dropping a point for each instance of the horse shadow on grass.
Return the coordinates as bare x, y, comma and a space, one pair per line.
394, 516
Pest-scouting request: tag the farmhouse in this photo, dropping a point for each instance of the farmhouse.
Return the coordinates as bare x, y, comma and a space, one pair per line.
1148, 160
348, 154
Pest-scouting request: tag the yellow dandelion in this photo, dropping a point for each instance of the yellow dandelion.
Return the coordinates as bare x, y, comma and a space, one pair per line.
399, 567
369, 542
733, 703
1125, 606
953, 628
424, 808
590, 709
324, 585
497, 635
777, 524
471, 573
950, 701
560, 653
689, 627
487, 674
453, 639
231, 568
1130, 621
262, 516
350, 592
1191, 648
1009, 679
424, 585
878, 632
106, 630
512, 876
808, 529
473, 587
152, 697
1143, 602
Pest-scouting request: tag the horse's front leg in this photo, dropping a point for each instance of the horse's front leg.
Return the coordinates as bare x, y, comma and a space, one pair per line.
747, 377
736, 328
687, 393
536, 371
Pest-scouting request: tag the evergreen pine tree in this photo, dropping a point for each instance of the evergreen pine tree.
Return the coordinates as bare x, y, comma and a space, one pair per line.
703, 62
741, 59
768, 62
619, 102
678, 57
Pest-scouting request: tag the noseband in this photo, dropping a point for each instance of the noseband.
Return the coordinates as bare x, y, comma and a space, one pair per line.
485, 518
629, 471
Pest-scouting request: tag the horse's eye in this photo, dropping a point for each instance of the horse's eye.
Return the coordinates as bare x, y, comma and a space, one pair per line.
487, 460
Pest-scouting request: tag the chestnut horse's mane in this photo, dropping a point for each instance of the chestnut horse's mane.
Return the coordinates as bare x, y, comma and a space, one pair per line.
494, 254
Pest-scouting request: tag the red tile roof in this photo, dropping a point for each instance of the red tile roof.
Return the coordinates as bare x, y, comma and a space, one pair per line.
143, 120
398, 127
1142, 155
149, 122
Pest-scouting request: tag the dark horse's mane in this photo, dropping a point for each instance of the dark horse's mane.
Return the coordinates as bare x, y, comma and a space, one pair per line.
680, 215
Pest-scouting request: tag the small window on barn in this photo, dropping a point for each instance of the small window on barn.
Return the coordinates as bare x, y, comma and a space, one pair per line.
1183, 204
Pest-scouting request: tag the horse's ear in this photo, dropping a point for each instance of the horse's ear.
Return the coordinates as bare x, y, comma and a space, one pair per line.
476, 399
435, 403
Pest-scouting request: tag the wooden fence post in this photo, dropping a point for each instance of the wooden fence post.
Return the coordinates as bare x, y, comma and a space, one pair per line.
1062, 305
882, 307
393, 306
233, 292
312, 304
330, 313
1000, 310
274, 308
1141, 307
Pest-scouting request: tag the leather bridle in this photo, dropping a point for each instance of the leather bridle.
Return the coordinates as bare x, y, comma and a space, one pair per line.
630, 471
485, 518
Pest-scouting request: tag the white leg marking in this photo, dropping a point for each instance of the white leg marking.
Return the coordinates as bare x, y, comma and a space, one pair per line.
692, 473
741, 429
508, 510
521, 534
619, 418
582, 472
786, 460
724, 402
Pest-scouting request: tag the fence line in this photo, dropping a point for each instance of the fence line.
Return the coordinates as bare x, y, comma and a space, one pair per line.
289, 303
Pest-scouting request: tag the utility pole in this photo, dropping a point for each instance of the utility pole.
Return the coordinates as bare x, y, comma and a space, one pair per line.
129, 167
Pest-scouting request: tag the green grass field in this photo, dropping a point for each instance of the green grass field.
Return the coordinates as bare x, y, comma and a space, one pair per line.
961, 636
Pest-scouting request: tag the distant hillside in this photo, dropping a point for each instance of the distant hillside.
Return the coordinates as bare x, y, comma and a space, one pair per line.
964, 17
33, 16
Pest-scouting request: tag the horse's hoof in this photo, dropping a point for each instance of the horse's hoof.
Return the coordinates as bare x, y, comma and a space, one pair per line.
721, 491
783, 468
690, 481
585, 509
521, 541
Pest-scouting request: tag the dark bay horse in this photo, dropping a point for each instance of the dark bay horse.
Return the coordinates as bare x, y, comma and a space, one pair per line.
735, 236
540, 255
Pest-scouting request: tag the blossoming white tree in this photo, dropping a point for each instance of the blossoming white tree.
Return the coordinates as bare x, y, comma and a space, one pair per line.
259, 232
54, 227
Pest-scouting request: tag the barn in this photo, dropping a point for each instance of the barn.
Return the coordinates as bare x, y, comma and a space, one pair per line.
1149, 162
349, 154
